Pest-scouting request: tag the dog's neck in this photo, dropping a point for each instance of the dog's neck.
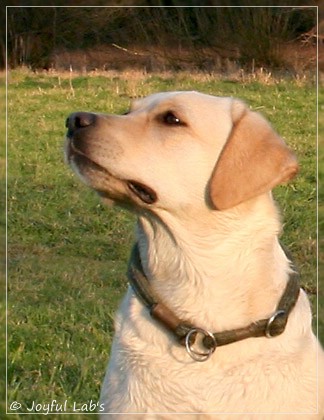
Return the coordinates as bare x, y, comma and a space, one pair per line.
201, 267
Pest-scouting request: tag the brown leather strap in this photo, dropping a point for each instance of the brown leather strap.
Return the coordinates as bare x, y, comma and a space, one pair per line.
171, 321
269, 327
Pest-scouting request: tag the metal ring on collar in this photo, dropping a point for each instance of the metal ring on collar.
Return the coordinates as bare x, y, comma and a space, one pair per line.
270, 322
197, 355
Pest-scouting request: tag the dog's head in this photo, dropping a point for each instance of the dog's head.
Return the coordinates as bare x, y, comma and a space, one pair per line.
179, 150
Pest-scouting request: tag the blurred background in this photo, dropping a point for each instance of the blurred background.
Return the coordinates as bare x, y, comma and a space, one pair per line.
213, 39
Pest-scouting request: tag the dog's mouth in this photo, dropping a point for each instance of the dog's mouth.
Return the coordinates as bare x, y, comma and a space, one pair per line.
143, 192
73, 153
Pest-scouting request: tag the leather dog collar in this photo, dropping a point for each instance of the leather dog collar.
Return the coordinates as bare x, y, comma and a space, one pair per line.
186, 333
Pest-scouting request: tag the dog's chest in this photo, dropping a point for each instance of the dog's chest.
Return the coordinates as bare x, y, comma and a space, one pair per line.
162, 377
153, 360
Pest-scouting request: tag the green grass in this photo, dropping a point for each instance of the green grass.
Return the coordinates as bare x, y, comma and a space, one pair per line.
321, 211
2, 246
68, 253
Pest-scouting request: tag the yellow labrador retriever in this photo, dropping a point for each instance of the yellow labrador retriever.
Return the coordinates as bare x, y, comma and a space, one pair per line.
214, 320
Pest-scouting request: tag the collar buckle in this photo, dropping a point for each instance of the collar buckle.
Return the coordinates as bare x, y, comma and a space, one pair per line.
190, 338
276, 324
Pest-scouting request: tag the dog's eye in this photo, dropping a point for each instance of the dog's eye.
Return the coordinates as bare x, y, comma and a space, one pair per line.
171, 119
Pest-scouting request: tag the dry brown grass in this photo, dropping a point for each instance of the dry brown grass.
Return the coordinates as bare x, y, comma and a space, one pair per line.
135, 77
294, 57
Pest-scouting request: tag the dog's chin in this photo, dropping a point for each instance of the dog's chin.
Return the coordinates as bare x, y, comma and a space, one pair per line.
109, 202
112, 190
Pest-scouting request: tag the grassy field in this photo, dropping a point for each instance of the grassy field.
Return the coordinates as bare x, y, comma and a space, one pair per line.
68, 253
321, 211
2, 245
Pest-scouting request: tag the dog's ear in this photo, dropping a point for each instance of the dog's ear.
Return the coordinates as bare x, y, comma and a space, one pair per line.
253, 161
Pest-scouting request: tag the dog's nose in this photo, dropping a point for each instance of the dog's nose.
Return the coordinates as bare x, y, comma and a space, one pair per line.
79, 120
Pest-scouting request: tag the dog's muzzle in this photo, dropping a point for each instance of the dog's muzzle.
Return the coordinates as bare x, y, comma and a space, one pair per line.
82, 126
77, 125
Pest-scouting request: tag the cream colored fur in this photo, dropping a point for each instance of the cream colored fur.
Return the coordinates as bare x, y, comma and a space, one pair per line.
209, 246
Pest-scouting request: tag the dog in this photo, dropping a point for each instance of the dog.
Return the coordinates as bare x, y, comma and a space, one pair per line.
198, 170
